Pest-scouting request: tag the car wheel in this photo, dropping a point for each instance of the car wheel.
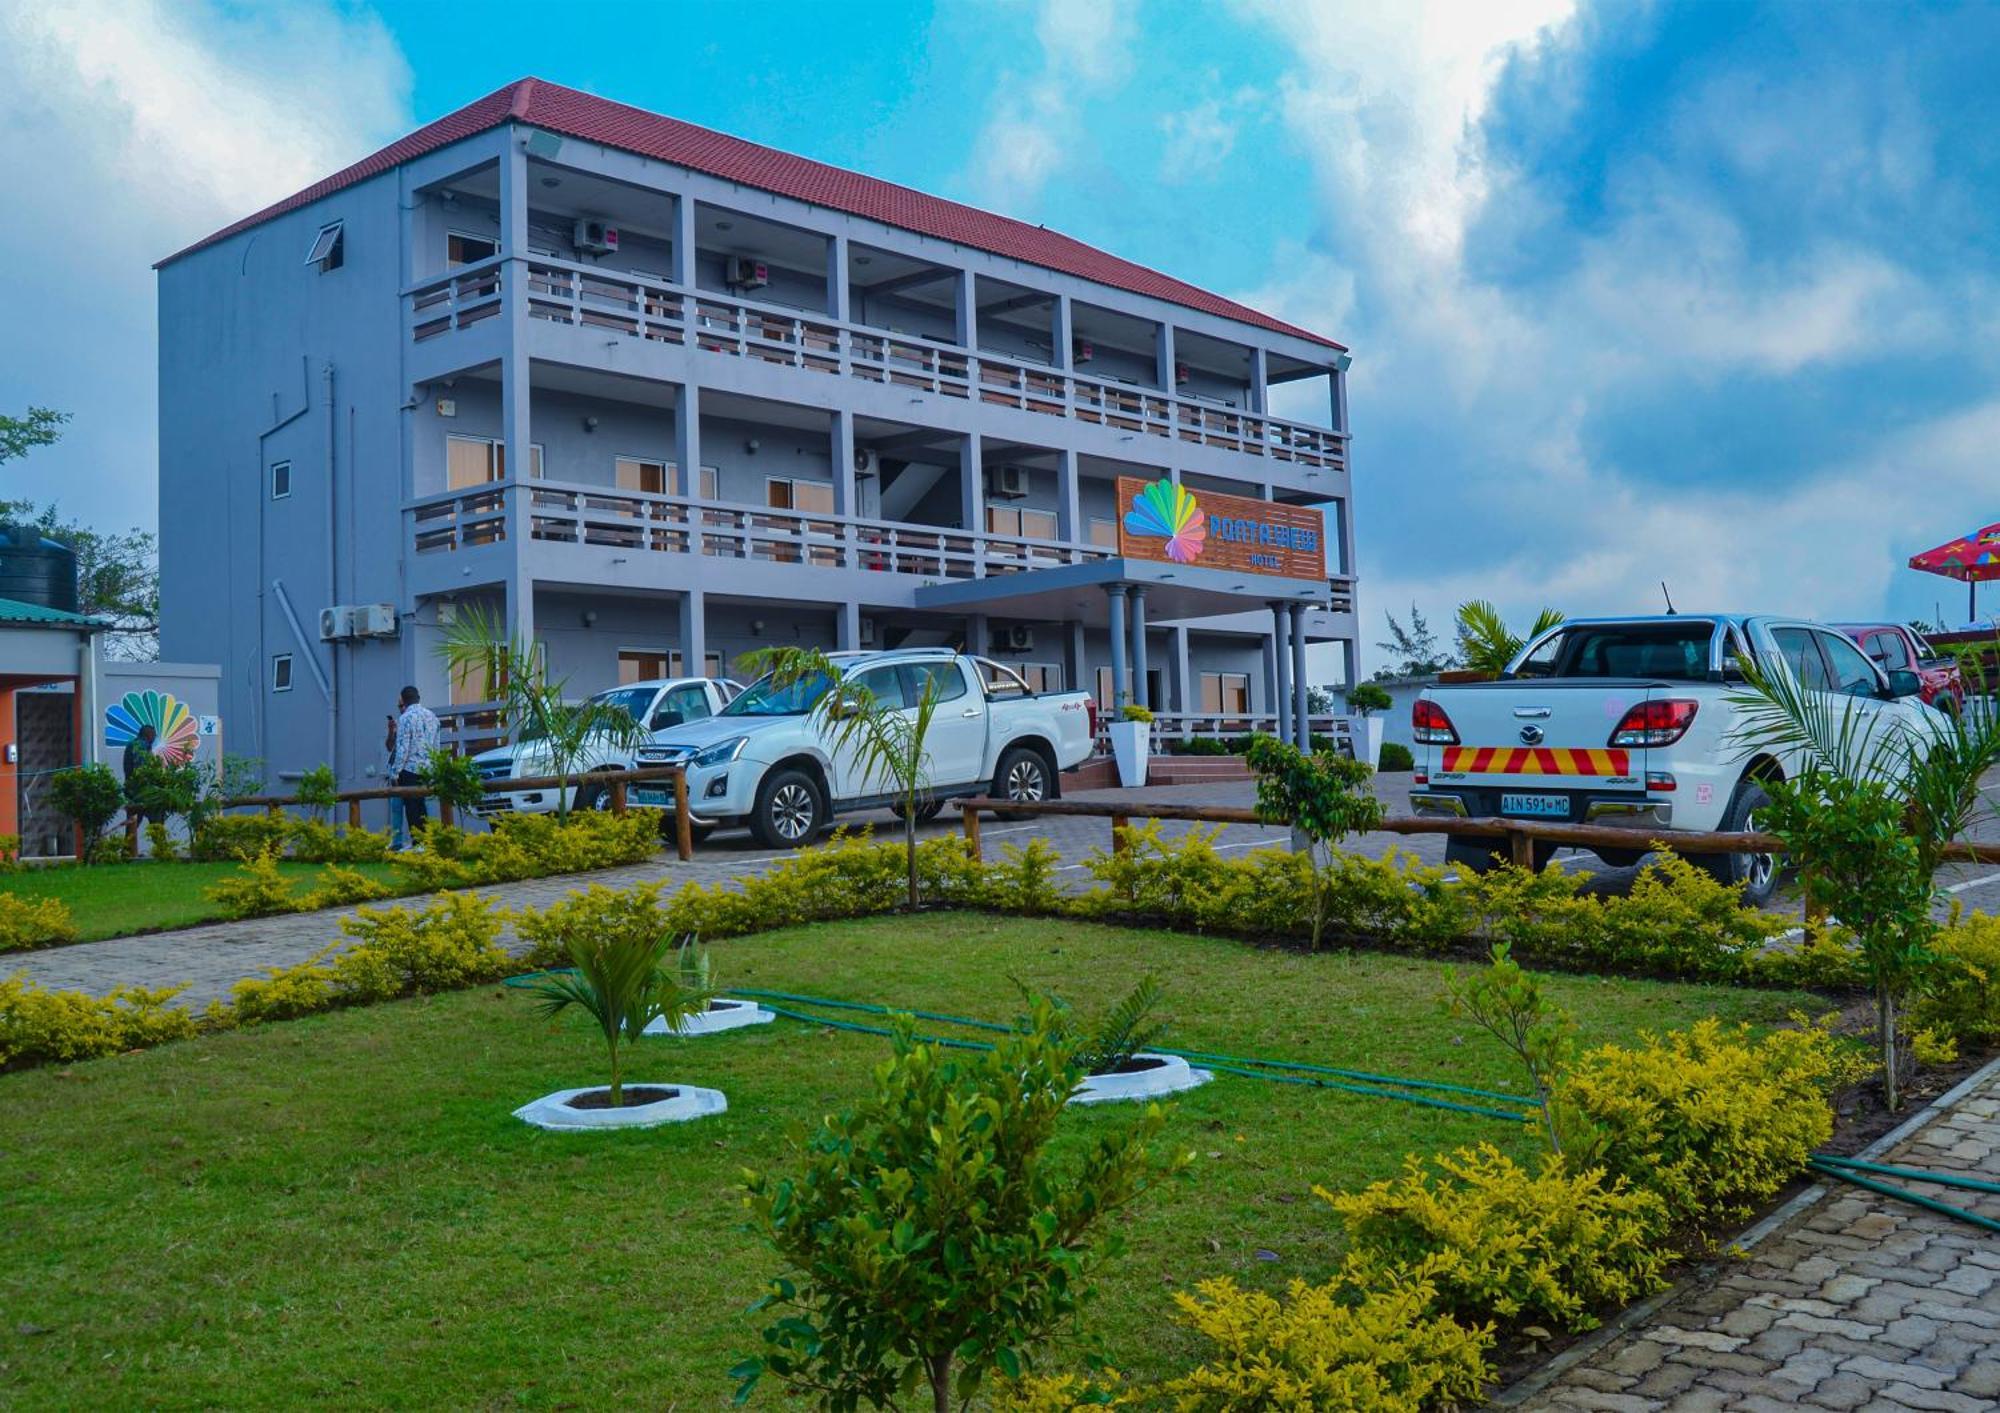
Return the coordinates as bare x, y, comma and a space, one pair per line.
1023, 775
1758, 873
1484, 855
592, 797
789, 812
926, 812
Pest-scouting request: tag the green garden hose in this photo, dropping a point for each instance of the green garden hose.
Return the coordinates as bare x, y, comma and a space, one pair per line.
1846, 1170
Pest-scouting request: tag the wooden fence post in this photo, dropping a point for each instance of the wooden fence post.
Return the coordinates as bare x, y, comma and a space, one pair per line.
354, 814
618, 797
1119, 824
1521, 849
971, 813
683, 825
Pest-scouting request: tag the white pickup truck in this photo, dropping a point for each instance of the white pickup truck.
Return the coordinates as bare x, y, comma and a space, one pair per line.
659, 705
765, 762
1627, 722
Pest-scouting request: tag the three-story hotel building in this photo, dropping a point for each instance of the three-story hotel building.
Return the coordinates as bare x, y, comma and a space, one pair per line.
658, 396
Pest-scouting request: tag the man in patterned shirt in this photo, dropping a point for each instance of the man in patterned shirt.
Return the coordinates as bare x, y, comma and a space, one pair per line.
416, 742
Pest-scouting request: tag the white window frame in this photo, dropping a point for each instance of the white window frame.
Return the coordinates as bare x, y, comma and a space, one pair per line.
492, 240
278, 659
286, 493
327, 244
495, 454
665, 464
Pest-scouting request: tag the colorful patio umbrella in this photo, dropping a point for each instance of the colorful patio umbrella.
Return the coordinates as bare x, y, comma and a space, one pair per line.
1970, 557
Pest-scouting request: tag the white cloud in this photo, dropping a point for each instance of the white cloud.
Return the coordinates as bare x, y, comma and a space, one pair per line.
134, 127
1200, 140
1034, 127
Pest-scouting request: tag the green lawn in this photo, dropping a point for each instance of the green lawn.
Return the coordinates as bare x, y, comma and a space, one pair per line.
111, 900
342, 1210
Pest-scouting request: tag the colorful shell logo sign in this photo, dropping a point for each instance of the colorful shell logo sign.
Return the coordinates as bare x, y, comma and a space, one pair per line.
174, 726
1167, 511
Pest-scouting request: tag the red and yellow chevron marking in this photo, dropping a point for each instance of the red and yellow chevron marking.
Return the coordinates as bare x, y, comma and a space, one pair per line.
1534, 760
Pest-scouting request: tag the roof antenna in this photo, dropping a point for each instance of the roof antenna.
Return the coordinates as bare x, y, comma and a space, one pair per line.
1668, 597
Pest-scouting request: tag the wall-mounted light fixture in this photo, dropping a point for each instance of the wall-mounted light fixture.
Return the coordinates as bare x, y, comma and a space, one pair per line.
590, 424
590, 618
751, 446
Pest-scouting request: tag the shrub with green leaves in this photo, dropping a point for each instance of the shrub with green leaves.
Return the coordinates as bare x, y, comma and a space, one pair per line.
1714, 1120
1322, 796
318, 790
337, 886
454, 780
929, 1237
1499, 1241
404, 951
88, 796
583, 916
38, 923
1381, 1350
284, 993
1396, 759
257, 889
1964, 995
238, 836
39, 1026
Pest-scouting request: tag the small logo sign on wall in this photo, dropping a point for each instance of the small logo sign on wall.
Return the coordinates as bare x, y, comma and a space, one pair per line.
174, 727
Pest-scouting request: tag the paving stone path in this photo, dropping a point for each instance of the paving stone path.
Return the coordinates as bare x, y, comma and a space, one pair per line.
1852, 1301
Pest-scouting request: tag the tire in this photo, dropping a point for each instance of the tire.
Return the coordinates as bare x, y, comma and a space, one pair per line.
1023, 774
592, 797
1480, 856
790, 810
1758, 873
696, 832
926, 812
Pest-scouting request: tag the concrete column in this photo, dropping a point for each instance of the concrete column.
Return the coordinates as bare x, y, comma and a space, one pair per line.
971, 485
1350, 664
1185, 698
684, 241
847, 626
1260, 381
1069, 506
967, 309
840, 445
1076, 660
978, 633
836, 277
1141, 692
1281, 676
1300, 717
1120, 694
687, 436
521, 609
694, 633
1061, 351
516, 384
1163, 349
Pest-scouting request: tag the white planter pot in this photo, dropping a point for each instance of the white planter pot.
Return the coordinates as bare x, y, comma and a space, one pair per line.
1130, 742
1169, 1074
553, 1111
1367, 738
720, 1015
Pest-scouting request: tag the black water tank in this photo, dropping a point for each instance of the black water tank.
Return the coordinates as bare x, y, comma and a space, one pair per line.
36, 570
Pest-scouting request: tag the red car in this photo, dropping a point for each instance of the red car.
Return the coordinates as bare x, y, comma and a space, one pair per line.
1896, 648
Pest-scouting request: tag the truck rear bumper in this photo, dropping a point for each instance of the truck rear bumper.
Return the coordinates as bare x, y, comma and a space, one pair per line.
1586, 807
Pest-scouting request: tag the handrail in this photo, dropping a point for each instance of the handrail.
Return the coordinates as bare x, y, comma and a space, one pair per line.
617, 780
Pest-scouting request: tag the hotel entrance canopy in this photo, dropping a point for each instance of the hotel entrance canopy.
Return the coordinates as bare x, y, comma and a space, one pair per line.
1075, 592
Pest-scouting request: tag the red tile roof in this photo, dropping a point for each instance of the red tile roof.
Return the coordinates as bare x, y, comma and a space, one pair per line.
592, 119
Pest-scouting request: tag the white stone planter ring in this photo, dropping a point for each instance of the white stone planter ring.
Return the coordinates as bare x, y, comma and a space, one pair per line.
721, 1015
1167, 1074
553, 1111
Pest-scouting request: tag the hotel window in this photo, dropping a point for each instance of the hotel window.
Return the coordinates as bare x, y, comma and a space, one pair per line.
473, 461
461, 248
476, 682
281, 480
678, 482
281, 673
640, 667
1104, 531
1027, 524
1040, 676
635, 474
711, 665
329, 248
1103, 689
1225, 693
783, 494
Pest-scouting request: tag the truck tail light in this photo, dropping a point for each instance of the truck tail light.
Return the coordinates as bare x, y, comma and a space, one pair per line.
1655, 723
1430, 726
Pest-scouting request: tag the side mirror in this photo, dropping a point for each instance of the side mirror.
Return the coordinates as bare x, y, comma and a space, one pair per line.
1904, 683
663, 718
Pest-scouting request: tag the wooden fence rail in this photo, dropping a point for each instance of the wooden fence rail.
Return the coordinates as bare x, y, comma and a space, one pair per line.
618, 782
1521, 835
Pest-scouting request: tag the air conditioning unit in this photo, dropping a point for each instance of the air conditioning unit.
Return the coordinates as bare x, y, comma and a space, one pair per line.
1017, 638
748, 273
336, 623
592, 237
374, 620
1007, 482
867, 633
866, 463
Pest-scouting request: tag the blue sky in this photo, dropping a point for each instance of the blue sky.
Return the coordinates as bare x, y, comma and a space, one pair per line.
1703, 293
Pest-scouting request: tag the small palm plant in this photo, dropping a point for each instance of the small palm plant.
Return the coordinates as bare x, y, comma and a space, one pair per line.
1485, 642
533, 703
886, 742
1112, 1042
621, 980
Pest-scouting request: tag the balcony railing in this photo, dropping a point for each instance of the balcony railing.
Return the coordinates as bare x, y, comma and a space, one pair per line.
637, 306
578, 514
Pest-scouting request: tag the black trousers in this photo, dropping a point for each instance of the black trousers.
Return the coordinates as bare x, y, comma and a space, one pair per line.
416, 808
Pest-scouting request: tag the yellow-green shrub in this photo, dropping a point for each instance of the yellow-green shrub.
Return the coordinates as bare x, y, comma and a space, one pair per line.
238, 836
34, 924
337, 886
283, 993
10, 852
1060, 1393
1497, 1240
399, 951
39, 1025
315, 841
1964, 996
1715, 1121
1023, 880
587, 916
160, 843
256, 889
1327, 1347
1156, 877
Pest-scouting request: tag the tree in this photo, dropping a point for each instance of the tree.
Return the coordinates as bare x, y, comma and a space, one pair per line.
929, 1238
1415, 649
1365, 697
1507, 1003
886, 742
1871, 803
117, 577
619, 978
1486, 644
89, 796
20, 435
532, 702
1322, 796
